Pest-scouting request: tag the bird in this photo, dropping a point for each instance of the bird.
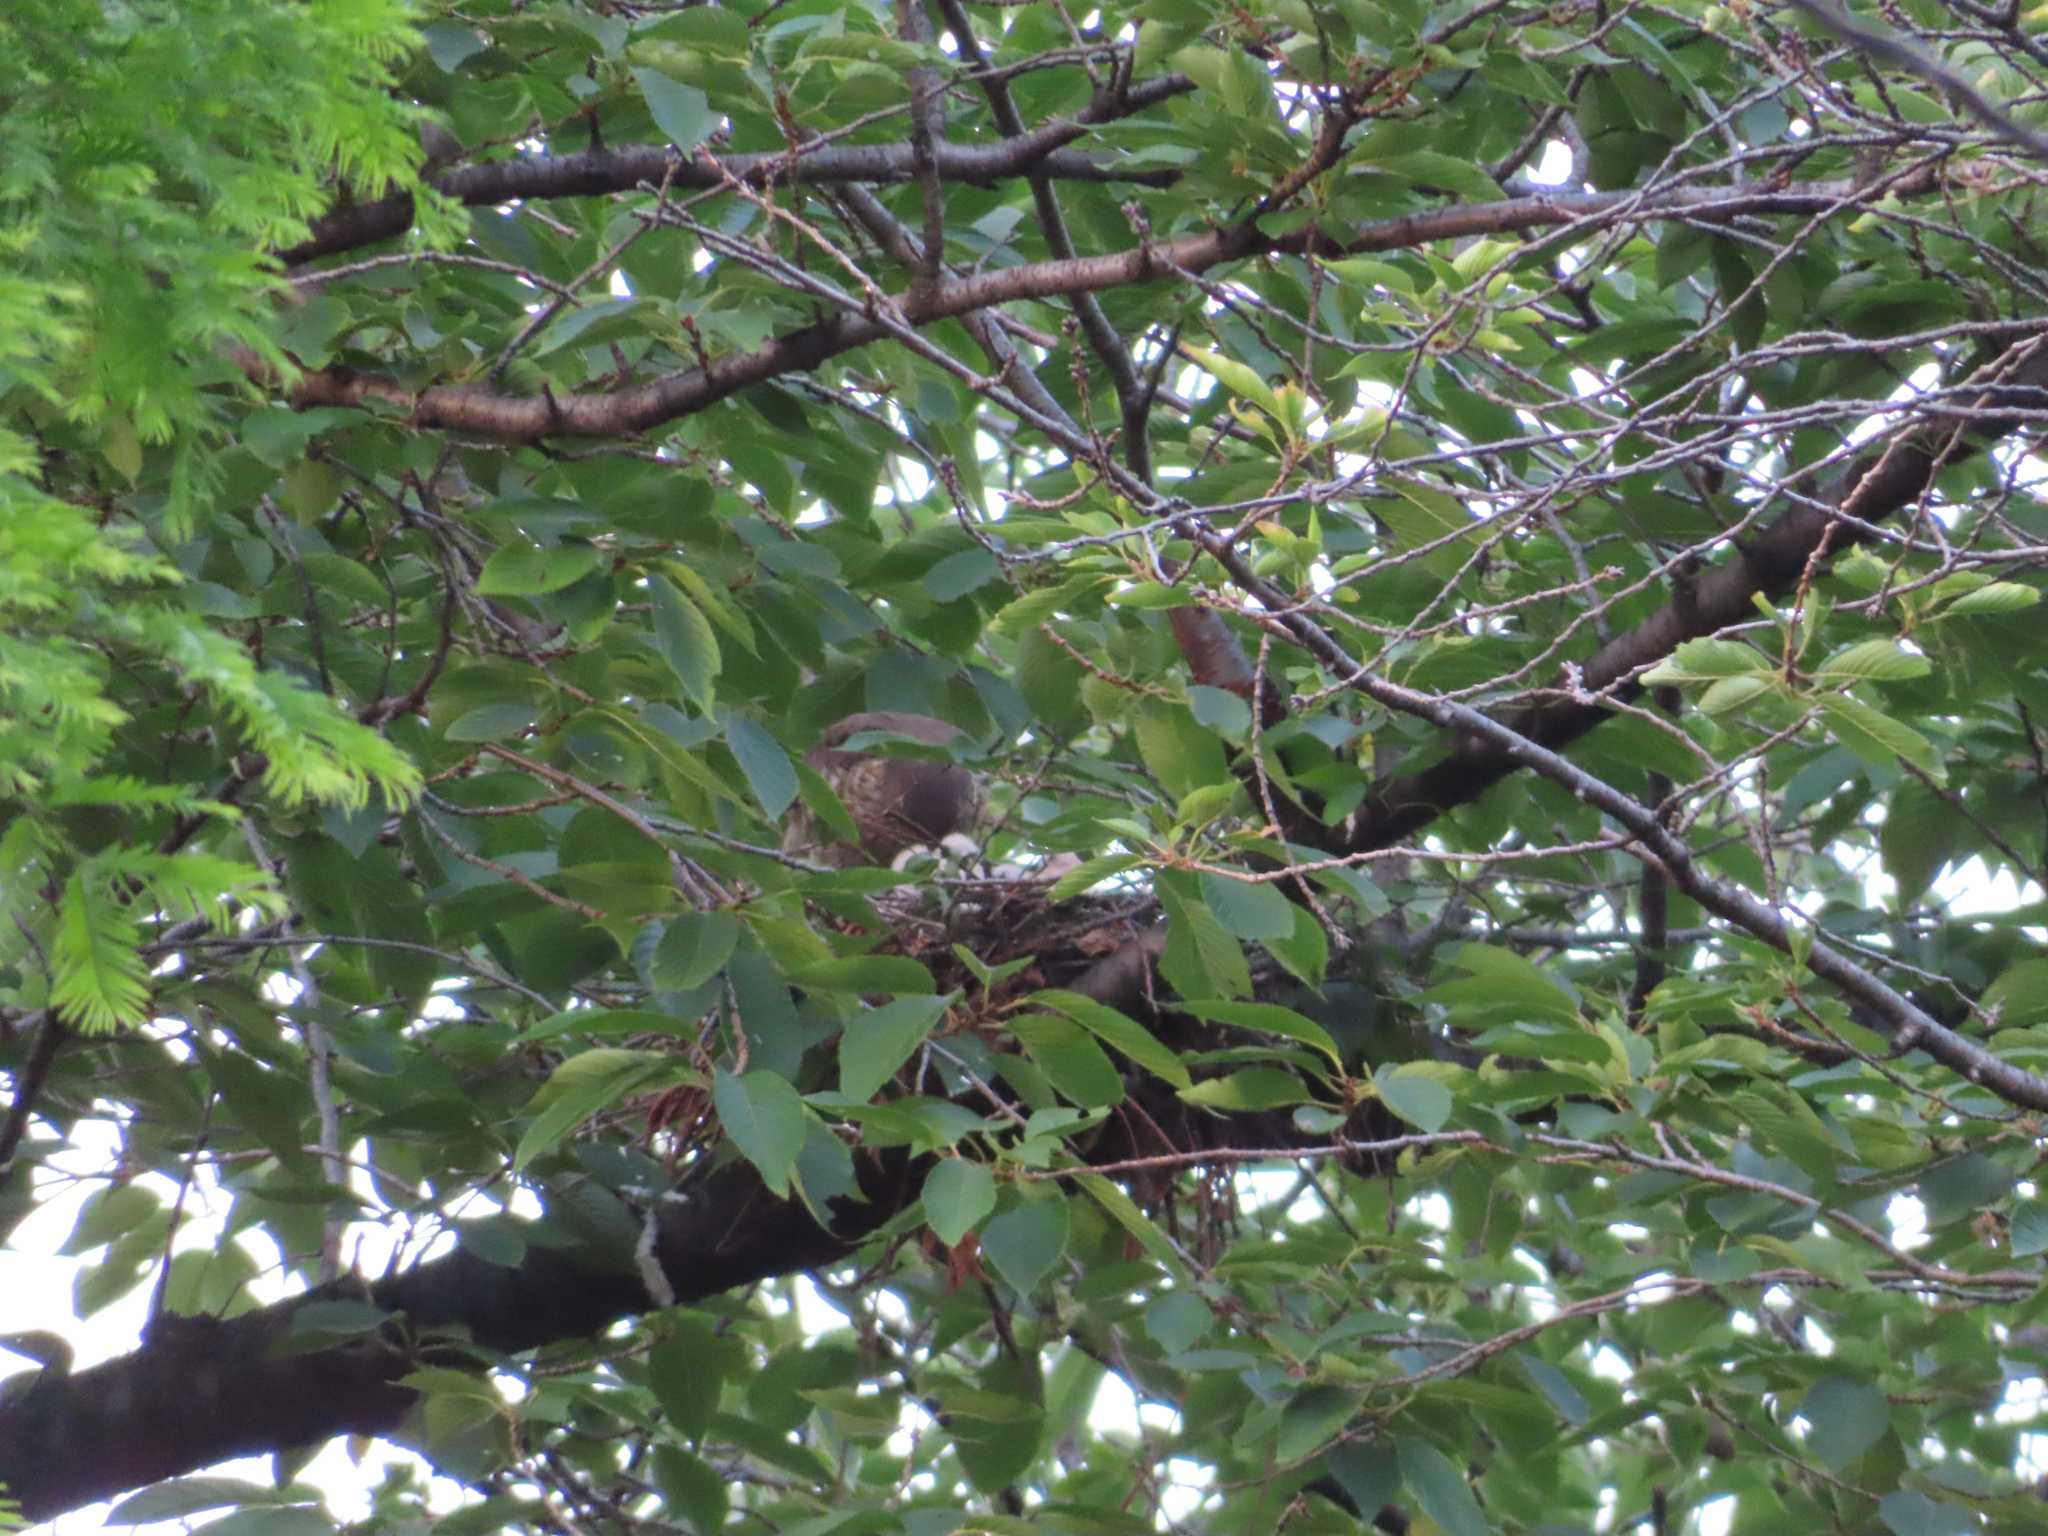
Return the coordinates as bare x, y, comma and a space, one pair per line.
897, 803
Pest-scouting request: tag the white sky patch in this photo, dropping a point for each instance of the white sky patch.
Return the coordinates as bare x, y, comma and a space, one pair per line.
1716, 1517
1116, 1410
1907, 1217
1554, 166
1610, 1364
1922, 379
1817, 1338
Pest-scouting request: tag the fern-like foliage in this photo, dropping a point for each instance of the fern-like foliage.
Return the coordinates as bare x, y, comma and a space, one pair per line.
134, 218
99, 979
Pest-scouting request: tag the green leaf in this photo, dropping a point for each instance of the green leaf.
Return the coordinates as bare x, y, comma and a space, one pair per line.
1421, 516
1439, 1489
1234, 376
1115, 1030
2019, 995
1704, 660
865, 974
2029, 1228
1883, 661
766, 1120
1091, 873
1126, 1214
107, 1213
1026, 1242
1730, 694
1224, 713
957, 1195
1072, 1061
522, 570
1305, 951
959, 574
1921, 833
1844, 1418
1368, 1470
768, 770
1497, 982
1150, 595
1311, 1418
686, 1371
691, 1487
1201, 959
1415, 1096
581, 1086
1271, 1019
1250, 1088
994, 1434
1909, 1512
101, 983
693, 948
494, 722
1995, 597
686, 641
1251, 910
879, 1040
1460, 177
184, 1496
1878, 738
680, 111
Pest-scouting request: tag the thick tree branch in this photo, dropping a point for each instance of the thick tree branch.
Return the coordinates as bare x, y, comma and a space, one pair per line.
200, 1391
600, 171
483, 412
1876, 488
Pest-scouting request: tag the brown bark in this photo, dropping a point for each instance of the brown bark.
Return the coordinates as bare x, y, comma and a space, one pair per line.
484, 412
597, 172
200, 1391
1876, 488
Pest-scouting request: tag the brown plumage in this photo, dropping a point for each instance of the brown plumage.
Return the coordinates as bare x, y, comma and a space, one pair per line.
896, 802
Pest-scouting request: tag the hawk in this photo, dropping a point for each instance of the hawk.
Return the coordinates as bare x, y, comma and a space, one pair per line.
898, 803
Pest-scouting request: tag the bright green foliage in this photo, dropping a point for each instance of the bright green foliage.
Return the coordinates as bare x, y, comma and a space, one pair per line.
134, 215
1490, 554
154, 151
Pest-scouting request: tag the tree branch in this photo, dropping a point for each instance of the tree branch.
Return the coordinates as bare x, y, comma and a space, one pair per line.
484, 412
597, 172
1876, 488
202, 1390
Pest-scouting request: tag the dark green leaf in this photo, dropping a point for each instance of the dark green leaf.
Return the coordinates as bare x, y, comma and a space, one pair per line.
1441, 1492
1844, 1418
957, 1195
766, 1121
877, 1041
766, 766
680, 111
